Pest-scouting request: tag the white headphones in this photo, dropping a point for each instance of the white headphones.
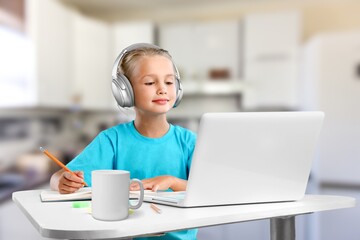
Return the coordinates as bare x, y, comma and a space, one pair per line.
121, 86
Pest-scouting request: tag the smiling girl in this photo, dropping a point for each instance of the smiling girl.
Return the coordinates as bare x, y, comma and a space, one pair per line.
149, 147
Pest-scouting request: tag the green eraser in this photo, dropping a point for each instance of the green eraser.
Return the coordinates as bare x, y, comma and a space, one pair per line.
81, 204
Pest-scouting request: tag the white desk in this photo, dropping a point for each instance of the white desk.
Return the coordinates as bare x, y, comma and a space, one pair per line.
60, 220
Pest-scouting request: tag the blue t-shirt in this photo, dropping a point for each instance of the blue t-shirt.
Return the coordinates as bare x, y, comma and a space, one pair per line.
123, 147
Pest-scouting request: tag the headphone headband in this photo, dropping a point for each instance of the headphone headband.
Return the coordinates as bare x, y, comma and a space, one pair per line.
122, 54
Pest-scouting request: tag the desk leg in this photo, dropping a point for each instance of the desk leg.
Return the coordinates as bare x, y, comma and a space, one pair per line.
282, 228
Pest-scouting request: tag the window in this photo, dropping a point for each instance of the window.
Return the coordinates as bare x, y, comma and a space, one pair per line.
16, 67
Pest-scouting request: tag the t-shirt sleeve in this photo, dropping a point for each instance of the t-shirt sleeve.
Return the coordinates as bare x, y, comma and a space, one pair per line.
99, 154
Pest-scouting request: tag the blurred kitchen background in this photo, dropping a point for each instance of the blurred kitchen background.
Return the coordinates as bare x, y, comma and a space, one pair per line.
56, 58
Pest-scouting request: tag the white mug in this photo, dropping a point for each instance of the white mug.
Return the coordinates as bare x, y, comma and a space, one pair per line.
110, 194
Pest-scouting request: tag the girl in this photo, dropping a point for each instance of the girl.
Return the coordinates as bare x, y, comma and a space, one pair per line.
150, 148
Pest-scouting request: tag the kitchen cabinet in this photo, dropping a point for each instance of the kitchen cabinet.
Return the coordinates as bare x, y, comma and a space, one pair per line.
73, 57
124, 34
49, 27
92, 61
198, 47
271, 60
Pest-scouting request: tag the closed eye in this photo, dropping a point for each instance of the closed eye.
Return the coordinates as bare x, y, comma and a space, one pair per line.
169, 80
149, 83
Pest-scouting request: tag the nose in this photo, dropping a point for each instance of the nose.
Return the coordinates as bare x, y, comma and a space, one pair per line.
162, 89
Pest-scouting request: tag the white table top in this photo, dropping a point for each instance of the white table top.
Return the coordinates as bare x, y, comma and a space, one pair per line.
61, 220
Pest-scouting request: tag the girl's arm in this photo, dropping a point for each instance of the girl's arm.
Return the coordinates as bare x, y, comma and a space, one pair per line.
162, 183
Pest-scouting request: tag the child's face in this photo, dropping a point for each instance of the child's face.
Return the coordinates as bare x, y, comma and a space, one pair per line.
153, 82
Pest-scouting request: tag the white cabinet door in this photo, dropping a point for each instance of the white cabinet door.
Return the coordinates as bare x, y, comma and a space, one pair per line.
126, 33
271, 64
198, 47
49, 25
92, 63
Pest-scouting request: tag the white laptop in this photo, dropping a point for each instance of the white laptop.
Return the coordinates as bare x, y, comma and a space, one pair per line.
249, 157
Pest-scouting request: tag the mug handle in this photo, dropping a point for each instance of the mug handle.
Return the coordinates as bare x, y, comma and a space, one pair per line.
141, 197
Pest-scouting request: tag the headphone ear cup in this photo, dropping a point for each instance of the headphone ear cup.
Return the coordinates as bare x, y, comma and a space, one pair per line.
123, 91
179, 92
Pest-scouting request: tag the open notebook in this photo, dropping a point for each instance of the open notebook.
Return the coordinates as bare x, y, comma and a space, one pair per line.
85, 194
55, 196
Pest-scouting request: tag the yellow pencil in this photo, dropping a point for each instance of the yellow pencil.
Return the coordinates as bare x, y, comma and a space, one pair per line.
52, 157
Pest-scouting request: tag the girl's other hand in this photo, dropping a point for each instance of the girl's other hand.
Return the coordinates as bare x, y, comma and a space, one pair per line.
161, 183
154, 184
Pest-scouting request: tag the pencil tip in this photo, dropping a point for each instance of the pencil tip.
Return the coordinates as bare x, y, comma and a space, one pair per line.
42, 149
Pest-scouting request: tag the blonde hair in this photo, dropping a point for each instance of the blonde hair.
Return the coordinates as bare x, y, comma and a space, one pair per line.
130, 59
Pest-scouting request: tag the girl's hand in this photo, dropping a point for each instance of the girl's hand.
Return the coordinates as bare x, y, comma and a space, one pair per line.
68, 183
161, 183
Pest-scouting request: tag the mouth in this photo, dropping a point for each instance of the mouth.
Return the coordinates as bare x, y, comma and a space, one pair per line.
161, 101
